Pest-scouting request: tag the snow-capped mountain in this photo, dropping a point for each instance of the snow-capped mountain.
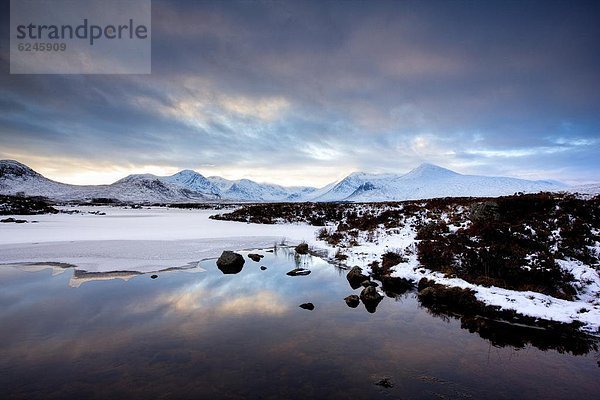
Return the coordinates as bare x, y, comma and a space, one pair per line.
425, 181
429, 181
347, 186
193, 181
589, 189
152, 188
18, 178
184, 186
429, 172
235, 190
247, 190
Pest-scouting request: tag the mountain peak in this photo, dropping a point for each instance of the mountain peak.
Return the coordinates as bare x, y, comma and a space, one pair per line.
187, 172
367, 175
188, 176
429, 171
193, 180
425, 181
12, 162
426, 165
14, 169
137, 178
357, 174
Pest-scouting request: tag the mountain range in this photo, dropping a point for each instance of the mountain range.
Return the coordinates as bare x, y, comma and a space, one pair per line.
425, 181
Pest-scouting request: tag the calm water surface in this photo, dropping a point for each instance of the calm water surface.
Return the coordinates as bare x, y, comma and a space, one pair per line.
211, 336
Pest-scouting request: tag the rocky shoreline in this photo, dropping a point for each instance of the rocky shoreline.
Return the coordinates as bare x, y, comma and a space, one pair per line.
532, 258
501, 327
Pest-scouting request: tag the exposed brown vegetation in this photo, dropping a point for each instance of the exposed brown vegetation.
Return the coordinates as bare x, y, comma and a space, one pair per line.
502, 327
20, 205
517, 248
511, 242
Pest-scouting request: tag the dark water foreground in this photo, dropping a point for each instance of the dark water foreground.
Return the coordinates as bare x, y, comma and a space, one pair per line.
212, 336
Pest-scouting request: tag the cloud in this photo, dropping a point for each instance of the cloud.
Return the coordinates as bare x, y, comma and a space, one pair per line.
274, 89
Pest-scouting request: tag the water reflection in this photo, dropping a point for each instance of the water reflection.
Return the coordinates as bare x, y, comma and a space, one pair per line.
503, 328
80, 276
213, 336
504, 334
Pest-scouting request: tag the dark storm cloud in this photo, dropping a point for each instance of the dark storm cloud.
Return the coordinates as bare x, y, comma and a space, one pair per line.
490, 87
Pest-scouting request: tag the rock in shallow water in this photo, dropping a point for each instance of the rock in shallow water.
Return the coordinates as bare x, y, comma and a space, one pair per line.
385, 383
230, 262
255, 257
153, 276
356, 277
298, 272
352, 301
370, 298
302, 248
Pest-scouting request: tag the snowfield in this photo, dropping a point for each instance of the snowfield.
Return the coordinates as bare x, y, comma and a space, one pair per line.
154, 239
144, 240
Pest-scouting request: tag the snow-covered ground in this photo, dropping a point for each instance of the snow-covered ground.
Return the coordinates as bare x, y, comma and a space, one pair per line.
585, 309
142, 240
157, 238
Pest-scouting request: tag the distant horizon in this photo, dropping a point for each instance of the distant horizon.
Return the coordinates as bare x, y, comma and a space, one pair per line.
424, 163
304, 93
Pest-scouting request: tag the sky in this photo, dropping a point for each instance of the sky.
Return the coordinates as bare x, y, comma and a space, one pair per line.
306, 92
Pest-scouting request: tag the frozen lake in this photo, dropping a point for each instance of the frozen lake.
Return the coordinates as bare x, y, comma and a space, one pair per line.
135, 240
